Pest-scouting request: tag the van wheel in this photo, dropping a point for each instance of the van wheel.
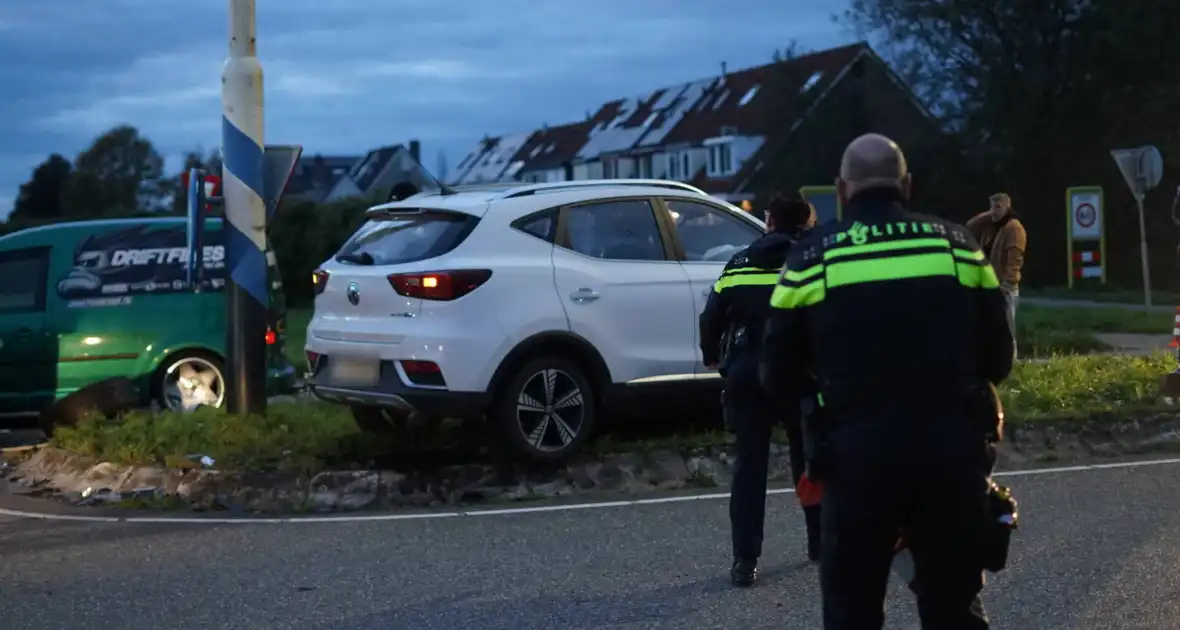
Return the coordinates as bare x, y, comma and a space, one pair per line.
546, 411
189, 380
378, 420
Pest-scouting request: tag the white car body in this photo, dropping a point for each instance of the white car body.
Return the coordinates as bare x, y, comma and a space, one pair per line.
639, 317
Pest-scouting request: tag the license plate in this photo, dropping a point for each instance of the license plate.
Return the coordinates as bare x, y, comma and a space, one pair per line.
354, 371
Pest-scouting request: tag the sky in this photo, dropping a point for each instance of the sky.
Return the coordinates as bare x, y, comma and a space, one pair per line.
345, 76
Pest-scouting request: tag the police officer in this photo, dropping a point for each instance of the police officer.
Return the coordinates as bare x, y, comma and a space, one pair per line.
901, 319
735, 312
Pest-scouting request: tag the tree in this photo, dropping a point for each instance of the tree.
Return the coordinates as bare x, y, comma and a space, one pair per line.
118, 174
1037, 93
1025, 83
40, 198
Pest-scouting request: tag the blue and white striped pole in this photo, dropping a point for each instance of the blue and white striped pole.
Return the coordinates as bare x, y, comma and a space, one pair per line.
245, 213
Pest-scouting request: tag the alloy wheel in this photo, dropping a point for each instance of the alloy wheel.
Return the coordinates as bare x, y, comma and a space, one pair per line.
550, 410
192, 382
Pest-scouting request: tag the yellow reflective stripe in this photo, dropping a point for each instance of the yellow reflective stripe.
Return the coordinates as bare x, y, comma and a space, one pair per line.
966, 254
977, 276
891, 268
797, 296
888, 246
764, 279
802, 276
730, 272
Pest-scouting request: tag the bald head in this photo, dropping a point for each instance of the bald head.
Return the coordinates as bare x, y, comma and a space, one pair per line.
873, 161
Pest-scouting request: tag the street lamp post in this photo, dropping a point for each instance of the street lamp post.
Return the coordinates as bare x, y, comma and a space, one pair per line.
247, 303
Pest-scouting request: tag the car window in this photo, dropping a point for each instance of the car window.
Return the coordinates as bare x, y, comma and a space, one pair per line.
24, 273
541, 226
709, 234
615, 230
394, 239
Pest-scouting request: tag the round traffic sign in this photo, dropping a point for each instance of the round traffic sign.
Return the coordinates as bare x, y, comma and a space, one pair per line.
1085, 215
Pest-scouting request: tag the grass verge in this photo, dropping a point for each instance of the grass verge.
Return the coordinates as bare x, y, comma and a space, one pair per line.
305, 437
1040, 319
1083, 385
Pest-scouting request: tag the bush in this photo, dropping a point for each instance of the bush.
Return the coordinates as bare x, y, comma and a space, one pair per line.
305, 234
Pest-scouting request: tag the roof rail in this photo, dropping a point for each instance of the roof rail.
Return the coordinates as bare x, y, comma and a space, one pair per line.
532, 189
485, 186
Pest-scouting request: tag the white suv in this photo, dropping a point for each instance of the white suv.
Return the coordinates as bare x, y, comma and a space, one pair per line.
539, 307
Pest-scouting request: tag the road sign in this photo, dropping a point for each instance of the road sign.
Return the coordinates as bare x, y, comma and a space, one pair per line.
1142, 168
1086, 241
278, 163
1085, 214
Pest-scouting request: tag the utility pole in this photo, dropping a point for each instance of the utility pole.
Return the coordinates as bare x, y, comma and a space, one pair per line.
242, 148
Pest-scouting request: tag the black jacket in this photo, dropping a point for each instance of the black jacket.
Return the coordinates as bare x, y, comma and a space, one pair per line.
741, 296
887, 308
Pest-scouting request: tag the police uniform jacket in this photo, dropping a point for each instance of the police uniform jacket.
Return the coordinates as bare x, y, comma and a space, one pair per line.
887, 308
741, 296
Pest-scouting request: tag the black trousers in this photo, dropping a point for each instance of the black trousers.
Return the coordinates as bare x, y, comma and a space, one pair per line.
926, 475
753, 415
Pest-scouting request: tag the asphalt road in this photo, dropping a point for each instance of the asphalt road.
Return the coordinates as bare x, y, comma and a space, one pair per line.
1098, 551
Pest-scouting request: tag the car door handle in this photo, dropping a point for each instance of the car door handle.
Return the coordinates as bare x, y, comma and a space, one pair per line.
24, 332
581, 296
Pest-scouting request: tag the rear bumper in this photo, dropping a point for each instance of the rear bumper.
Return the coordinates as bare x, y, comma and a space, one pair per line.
392, 393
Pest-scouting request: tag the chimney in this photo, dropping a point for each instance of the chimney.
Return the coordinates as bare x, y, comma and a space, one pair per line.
416, 151
724, 69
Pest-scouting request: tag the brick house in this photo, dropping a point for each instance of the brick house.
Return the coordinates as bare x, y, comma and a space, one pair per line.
738, 135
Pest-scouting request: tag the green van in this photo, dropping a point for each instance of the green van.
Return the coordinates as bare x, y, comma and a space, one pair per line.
84, 301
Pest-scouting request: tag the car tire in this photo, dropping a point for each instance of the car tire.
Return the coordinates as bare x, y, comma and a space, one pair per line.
546, 410
378, 420
168, 384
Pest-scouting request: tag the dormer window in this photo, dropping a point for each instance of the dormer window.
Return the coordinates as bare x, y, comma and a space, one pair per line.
721, 160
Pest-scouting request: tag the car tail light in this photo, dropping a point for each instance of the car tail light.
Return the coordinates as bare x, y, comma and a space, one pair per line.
319, 280
423, 373
312, 359
271, 336
439, 285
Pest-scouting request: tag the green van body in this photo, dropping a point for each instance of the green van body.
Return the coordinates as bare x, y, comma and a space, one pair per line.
85, 301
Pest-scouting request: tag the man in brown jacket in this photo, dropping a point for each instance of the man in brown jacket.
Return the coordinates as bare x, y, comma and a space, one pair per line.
1002, 238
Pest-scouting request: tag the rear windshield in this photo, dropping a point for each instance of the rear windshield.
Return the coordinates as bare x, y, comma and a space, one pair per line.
400, 239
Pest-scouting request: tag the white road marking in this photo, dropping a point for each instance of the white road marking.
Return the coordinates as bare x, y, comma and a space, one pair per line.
179, 520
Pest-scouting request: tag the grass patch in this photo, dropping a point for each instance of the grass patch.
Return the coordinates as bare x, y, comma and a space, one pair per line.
307, 437
1083, 385
1042, 319
1048, 332
290, 438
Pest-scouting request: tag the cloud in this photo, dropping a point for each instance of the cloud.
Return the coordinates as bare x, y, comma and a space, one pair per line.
349, 75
